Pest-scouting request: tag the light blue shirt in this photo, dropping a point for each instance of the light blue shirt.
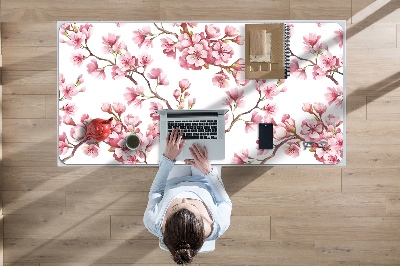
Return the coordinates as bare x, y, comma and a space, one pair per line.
209, 188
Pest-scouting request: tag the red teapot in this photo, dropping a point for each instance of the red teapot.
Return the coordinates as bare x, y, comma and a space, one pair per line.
98, 129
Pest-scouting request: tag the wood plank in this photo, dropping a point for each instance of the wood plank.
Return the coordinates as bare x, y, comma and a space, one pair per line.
24, 106
383, 108
147, 251
393, 204
310, 10
382, 155
358, 6
28, 34
107, 203
45, 178
31, 154
29, 82
373, 132
16, 130
51, 106
224, 10
117, 10
364, 252
285, 179
31, 62
113, 264
33, 202
369, 12
309, 204
21, 264
384, 36
356, 108
53, 226
129, 227
335, 228
380, 180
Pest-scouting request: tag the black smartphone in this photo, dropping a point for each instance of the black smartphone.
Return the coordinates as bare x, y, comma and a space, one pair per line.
265, 136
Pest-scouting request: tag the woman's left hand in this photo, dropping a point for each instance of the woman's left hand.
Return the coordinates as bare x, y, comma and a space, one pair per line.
174, 144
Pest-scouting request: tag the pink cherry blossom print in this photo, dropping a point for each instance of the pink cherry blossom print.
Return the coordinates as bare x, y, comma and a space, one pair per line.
91, 150
270, 109
177, 94
132, 120
112, 44
196, 55
126, 61
237, 96
288, 123
76, 39
61, 79
220, 79
63, 145
255, 120
293, 149
69, 90
238, 40
339, 37
69, 108
270, 90
241, 157
106, 107
312, 43
93, 69
132, 94
336, 142
119, 108
297, 72
312, 129
68, 120
191, 103
157, 73
184, 41
184, 84
212, 31
334, 95
320, 108
327, 61
231, 31
139, 37
168, 46
85, 119
221, 52
86, 30
280, 132
333, 120
144, 59
307, 107
318, 72
77, 59
117, 73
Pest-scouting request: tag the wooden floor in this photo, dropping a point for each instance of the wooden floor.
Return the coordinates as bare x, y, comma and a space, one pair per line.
281, 215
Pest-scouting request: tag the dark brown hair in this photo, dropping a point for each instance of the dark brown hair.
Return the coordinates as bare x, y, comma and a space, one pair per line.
184, 235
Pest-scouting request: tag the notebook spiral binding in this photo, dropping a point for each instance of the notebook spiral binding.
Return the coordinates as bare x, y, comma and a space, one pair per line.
287, 51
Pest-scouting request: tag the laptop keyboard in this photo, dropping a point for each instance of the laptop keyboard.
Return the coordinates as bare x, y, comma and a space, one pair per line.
196, 129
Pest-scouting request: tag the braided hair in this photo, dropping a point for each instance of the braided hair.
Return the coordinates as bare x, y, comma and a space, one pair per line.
184, 235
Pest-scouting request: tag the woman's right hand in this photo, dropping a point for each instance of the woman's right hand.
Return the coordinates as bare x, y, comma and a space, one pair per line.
200, 159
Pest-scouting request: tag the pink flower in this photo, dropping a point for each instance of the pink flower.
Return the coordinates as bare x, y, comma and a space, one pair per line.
119, 108
87, 30
333, 120
238, 39
312, 129
69, 90
307, 107
153, 107
177, 94
109, 41
297, 72
196, 55
269, 90
312, 43
327, 156
77, 132
288, 123
320, 108
339, 37
67, 119
139, 37
126, 61
61, 79
231, 31
255, 120
270, 109
77, 59
191, 103
221, 52
91, 150
94, 70
327, 61
106, 107
237, 96
293, 149
168, 46
184, 41
69, 108
220, 79
157, 73
184, 84
212, 31
76, 39
132, 120
132, 94
334, 95
241, 157
85, 119
63, 144
318, 73
145, 59
336, 142
117, 72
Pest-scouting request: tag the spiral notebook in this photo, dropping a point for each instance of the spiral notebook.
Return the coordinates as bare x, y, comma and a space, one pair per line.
267, 49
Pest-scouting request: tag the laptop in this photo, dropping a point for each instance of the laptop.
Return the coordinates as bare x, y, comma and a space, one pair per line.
204, 127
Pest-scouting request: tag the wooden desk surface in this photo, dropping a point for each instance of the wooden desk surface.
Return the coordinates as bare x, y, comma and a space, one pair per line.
129, 70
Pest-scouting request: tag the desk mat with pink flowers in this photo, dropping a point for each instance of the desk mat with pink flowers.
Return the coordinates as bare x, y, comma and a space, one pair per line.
126, 71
